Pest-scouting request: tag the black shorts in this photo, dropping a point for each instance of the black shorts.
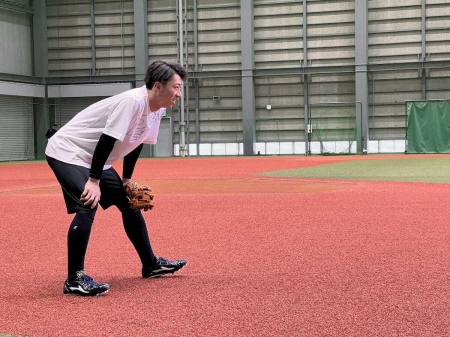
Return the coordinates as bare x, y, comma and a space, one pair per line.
73, 178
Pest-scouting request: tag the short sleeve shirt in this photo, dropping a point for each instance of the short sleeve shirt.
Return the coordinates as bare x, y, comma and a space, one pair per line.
126, 117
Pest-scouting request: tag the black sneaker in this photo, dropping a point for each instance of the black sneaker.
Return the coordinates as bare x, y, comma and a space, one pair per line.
84, 285
163, 267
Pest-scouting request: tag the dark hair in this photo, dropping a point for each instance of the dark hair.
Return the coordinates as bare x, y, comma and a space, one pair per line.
160, 71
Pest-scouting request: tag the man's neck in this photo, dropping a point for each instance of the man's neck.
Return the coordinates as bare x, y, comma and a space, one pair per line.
152, 101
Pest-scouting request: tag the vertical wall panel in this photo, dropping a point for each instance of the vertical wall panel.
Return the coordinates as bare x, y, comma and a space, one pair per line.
162, 30
219, 28
394, 31
278, 34
279, 108
395, 36
16, 128
69, 38
71, 34
114, 37
16, 43
388, 93
437, 36
331, 32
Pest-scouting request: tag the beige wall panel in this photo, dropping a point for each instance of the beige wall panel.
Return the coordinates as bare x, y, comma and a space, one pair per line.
282, 8
66, 32
289, 79
162, 38
279, 56
155, 28
411, 50
166, 51
67, 54
221, 91
279, 124
272, 89
390, 122
218, 115
386, 111
438, 11
220, 61
284, 21
331, 41
224, 81
437, 2
72, 65
393, 75
114, 63
160, 16
331, 54
223, 103
395, 39
397, 97
58, 7
232, 24
221, 14
218, 3
274, 32
265, 45
330, 19
338, 29
439, 48
222, 126
404, 85
114, 30
111, 5
395, 27
225, 36
437, 23
107, 53
393, 3
64, 43
82, 20
320, 6
117, 19
390, 14
114, 41
227, 47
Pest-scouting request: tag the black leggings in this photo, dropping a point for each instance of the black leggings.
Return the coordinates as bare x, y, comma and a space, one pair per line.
72, 179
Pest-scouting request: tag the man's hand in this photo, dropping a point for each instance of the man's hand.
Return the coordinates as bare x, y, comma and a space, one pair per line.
91, 193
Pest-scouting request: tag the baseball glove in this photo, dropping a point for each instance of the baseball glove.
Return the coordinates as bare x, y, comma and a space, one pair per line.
139, 196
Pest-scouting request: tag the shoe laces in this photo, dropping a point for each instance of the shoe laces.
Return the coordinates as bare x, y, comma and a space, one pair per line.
85, 279
162, 260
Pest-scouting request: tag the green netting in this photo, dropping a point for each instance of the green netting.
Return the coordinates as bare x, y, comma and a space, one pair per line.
428, 127
335, 128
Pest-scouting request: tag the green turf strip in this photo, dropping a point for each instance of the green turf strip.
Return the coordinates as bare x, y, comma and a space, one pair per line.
436, 170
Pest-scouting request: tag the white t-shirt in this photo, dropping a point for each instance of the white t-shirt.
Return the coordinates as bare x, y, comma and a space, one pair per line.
126, 117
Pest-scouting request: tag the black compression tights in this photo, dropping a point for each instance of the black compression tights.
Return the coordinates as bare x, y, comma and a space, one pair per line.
136, 230
77, 240
80, 230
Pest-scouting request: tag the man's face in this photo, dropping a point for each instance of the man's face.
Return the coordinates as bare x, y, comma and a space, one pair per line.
168, 94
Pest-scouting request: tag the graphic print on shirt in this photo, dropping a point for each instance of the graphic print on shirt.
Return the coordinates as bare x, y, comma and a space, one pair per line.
142, 125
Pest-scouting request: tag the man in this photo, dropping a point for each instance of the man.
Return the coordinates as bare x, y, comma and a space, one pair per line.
81, 153
50, 132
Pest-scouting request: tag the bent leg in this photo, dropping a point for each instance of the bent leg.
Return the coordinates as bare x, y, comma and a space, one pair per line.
136, 230
113, 193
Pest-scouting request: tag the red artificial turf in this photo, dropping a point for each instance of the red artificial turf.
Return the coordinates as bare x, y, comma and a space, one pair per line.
266, 256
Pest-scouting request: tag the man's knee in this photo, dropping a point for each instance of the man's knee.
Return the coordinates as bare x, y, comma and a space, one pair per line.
87, 214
